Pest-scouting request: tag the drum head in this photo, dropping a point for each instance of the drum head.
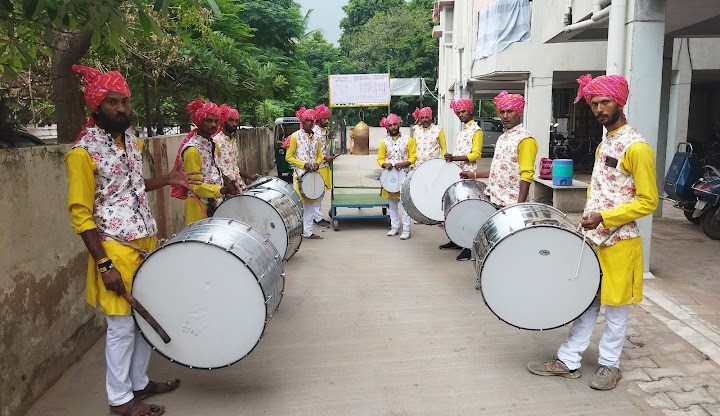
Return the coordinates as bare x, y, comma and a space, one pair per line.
312, 185
259, 214
528, 278
464, 219
207, 300
428, 184
392, 179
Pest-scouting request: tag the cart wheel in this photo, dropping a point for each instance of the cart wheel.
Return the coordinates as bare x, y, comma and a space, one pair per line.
384, 211
336, 225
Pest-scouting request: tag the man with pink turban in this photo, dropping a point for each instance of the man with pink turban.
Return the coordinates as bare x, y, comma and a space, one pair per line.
429, 137
305, 155
108, 204
622, 190
226, 147
513, 165
320, 131
468, 148
196, 155
396, 152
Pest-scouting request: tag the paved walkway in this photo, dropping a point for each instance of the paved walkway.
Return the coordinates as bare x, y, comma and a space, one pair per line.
372, 325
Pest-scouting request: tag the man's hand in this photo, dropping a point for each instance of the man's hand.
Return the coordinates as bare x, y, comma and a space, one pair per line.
591, 220
387, 166
449, 157
113, 281
402, 165
329, 159
229, 189
254, 177
468, 175
177, 177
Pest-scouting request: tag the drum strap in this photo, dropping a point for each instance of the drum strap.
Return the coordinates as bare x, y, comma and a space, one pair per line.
143, 253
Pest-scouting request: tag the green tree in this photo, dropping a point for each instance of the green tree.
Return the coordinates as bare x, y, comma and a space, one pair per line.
322, 58
358, 12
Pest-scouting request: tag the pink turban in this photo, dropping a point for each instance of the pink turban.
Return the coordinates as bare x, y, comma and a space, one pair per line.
462, 104
422, 112
613, 86
505, 101
390, 119
199, 110
305, 114
226, 113
98, 85
322, 111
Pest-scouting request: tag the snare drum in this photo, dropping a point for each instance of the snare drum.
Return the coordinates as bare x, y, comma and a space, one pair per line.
422, 191
270, 212
535, 271
213, 287
466, 208
312, 185
392, 179
279, 185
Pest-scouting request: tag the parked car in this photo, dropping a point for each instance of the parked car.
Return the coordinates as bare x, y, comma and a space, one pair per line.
492, 129
11, 137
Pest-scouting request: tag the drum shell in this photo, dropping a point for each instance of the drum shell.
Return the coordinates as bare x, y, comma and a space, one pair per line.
279, 185
183, 298
465, 195
281, 203
427, 183
525, 273
409, 205
391, 179
319, 183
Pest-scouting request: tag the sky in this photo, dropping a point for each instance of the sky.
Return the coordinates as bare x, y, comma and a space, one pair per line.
326, 16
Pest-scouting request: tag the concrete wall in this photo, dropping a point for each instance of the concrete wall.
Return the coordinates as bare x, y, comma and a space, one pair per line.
45, 324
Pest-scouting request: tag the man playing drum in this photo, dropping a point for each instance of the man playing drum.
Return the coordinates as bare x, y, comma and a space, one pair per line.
429, 137
226, 148
396, 152
107, 199
196, 154
622, 190
513, 164
305, 155
468, 149
320, 131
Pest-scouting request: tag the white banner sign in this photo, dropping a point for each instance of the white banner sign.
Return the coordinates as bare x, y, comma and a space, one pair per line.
359, 90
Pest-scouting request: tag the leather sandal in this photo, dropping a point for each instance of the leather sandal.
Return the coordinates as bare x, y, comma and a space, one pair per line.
154, 388
137, 408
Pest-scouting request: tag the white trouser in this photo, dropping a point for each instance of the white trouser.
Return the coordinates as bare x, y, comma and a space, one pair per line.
127, 355
395, 208
317, 214
308, 217
611, 342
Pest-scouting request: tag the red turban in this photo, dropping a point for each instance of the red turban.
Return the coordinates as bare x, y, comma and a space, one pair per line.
98, 85
422, 112
613, 86
199, 110
505, 101
390, 119
305, 114
226, 113
462, 104
321, 112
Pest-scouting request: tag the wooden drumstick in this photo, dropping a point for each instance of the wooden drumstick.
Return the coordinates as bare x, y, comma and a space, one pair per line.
139, 308
255, 185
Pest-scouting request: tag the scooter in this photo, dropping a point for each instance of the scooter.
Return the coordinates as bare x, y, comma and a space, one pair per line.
694, 190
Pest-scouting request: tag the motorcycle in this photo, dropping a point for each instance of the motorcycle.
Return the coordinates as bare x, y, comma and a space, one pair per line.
695, 190
559, 144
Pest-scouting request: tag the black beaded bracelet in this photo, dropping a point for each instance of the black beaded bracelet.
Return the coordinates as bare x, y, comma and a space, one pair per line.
105, 266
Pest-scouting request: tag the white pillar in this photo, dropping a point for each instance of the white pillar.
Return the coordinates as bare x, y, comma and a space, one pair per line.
644, 61
538, 110
680, 83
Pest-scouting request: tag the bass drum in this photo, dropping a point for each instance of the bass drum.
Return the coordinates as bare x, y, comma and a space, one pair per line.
271, 182
466, 208
422, 191
213, 287
312, 185
270, 212
392, 179
535, 271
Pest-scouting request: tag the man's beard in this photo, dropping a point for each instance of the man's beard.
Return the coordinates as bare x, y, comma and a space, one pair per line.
394, 132
231, 129
116, 124
612, 119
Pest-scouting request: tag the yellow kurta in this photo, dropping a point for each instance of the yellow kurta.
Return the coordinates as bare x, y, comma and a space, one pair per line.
621, 263
195, 209
476, 149
443, 143
81, 201
300, 164
527, 152
412, 156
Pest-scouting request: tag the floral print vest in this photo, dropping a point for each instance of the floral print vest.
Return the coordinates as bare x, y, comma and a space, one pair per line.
321, 133
209, 170
121, 209
428, 145
306, 149
611, 187
504, 180
227, 156
464, 145
396, 151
